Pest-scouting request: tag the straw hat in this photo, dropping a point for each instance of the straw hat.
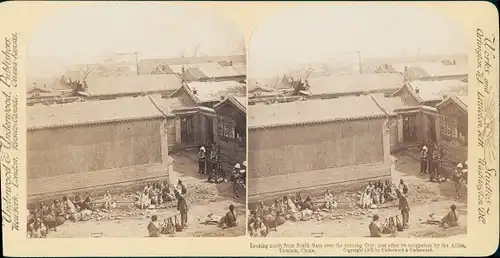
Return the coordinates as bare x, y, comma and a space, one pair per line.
459, 165
237, 165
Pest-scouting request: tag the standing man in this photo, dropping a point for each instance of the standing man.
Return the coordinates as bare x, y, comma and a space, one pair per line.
404, 207
202, 156
235, 178
423, 160
457, 176
182, 207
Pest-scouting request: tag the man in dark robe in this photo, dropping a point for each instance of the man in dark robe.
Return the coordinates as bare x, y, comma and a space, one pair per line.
404, 207
182, 207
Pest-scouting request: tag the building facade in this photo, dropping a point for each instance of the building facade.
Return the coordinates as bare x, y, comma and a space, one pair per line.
84, 146
300, 147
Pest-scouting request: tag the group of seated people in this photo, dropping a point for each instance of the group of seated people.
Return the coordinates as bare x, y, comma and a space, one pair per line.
264, 218
379, 192
48, 217
157, 193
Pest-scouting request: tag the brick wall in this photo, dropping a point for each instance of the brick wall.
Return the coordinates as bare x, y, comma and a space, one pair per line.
282, 159
62, 159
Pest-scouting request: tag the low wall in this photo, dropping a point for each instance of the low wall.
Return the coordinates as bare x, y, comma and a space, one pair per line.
316, 181
43, 188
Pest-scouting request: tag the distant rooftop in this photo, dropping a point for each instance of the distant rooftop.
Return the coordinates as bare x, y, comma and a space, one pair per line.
339, 84
132, 84
437, 90
215, 91
312, 111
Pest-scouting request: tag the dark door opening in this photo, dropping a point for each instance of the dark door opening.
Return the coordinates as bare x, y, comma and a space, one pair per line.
187, 130
432, 128
210, 129
409, 129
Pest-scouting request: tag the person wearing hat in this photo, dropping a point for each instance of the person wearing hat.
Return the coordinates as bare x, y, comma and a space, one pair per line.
202, 156
457, 176
182, 207
235, 178
424, 155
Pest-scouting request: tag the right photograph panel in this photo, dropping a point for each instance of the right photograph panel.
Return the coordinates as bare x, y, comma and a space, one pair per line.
357, 123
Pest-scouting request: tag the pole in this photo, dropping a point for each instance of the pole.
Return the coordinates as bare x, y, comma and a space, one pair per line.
359, 62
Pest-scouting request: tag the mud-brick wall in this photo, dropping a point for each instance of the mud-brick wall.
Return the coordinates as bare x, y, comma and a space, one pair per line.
70, 158
291, 158
171, 131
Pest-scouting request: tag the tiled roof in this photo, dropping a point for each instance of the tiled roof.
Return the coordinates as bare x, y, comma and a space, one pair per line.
239, 102
389, 104
148, 63
91, 112
437, 90
215, 70
241, 68
214, 91
193, 74
132, 84
438, 69
459, 99
150, 66
371, 63
168, 104
312, 111
354, 83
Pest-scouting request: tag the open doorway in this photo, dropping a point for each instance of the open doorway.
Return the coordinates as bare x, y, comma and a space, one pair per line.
210, 129
187, 130
410, 128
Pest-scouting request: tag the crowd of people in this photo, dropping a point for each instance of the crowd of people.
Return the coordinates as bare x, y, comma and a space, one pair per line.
379, 192
211, 164
48, 217
264, 218
45, 218
431, 156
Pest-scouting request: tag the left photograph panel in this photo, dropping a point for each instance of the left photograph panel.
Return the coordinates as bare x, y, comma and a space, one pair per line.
136, 123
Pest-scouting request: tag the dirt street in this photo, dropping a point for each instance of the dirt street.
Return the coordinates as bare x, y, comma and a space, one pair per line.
425, 198
203, 198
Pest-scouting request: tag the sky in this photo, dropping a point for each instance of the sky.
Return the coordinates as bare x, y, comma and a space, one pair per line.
83, 34
296, 37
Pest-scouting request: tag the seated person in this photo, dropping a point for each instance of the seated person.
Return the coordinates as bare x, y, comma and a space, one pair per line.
451, 219
154, 228
229, 220
375, 227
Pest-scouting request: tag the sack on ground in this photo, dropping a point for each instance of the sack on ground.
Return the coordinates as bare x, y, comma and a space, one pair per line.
297, 216
306, 215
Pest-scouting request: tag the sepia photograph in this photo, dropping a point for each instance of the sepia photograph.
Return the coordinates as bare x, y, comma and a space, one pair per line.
357, 123
136, 123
